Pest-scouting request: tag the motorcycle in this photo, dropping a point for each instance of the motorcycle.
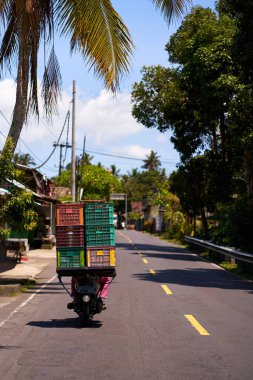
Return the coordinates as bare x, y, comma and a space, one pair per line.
86, 298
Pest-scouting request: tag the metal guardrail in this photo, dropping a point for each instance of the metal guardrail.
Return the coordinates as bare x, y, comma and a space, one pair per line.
232, 252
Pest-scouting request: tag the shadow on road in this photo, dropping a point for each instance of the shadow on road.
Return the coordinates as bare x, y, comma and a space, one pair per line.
64, 323
205, 278
164, 252
52, 288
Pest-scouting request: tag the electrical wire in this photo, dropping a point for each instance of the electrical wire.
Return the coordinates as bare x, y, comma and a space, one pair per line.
124, 157
55, 145
43, 163
33, 154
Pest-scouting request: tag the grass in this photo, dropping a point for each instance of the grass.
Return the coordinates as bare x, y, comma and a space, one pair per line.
241, 269
25, 284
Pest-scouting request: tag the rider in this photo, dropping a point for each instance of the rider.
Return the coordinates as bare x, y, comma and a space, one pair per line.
104, 285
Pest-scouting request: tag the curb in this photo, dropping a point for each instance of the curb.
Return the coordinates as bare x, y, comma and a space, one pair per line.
9, 290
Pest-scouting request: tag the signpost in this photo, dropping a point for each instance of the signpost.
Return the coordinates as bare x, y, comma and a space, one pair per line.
120, 197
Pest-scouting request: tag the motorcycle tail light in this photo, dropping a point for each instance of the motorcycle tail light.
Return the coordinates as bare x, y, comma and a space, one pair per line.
86, 298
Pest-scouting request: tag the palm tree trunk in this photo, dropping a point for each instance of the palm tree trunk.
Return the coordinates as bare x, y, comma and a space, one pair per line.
20, 109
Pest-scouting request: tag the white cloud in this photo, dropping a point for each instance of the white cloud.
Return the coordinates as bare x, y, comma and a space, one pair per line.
135, 151
106, 119
162, 138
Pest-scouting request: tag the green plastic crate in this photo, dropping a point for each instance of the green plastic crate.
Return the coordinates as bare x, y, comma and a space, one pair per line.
100, 236
70, 257
98, 214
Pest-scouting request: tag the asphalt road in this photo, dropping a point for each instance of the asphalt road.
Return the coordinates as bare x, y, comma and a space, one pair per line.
170, 316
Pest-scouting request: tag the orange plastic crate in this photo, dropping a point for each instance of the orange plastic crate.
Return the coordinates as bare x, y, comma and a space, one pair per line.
69, 214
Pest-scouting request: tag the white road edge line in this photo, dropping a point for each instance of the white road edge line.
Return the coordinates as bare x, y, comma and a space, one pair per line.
26, 302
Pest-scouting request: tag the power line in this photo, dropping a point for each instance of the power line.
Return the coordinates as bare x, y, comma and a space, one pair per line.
124, 157
56, 144
33, 154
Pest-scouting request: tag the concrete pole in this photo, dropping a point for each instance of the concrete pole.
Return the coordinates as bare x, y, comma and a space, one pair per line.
73, 161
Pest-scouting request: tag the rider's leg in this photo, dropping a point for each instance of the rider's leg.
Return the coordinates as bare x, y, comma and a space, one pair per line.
104, 285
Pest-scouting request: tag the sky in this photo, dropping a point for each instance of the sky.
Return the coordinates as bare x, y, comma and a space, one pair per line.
112, 136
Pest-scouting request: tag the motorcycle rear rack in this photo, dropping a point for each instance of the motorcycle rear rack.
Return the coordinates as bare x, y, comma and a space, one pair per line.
100, 271
77, 274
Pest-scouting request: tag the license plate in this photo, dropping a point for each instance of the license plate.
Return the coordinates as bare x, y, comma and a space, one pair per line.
86, 289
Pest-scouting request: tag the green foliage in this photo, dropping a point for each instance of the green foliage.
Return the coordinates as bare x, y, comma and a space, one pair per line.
97, 182
6, 166
148, 226
17, 209
235, 224
206, 100
23, 159
134, 215
152, 161
144, 184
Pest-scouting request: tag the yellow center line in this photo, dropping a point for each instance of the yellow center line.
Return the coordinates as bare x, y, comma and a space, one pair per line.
166, 289
145, 261
193, 321
152, 271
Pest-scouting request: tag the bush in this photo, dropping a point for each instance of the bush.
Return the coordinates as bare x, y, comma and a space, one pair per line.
235, 225
148, 226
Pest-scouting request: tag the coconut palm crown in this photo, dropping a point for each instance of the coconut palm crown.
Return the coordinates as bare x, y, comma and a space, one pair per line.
94, 29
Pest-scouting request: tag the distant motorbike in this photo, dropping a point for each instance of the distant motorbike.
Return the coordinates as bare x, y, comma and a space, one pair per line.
87, 301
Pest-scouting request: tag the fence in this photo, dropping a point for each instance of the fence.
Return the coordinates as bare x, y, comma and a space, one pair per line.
227, 251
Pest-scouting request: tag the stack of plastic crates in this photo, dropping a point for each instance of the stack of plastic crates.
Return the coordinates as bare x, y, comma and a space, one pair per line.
99, 234
70, 236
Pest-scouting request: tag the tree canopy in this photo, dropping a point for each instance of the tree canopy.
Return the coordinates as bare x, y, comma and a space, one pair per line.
205, 99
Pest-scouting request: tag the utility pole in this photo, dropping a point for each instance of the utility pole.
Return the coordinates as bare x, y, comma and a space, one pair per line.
61, 146
73, 173
81, 174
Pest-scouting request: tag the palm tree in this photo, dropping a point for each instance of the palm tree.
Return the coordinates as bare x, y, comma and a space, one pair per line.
115, 172
152, 161
85, 159
95, 30
23, 159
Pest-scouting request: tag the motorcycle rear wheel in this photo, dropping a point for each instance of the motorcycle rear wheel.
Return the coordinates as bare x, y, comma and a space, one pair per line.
85, 314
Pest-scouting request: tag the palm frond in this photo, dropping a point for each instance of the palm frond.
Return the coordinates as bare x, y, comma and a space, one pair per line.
33, 65
9, 45
51, 84
5, 7
172, 8
96, 29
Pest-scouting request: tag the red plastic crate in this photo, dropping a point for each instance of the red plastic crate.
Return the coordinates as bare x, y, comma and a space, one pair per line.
69, 236
69, 214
